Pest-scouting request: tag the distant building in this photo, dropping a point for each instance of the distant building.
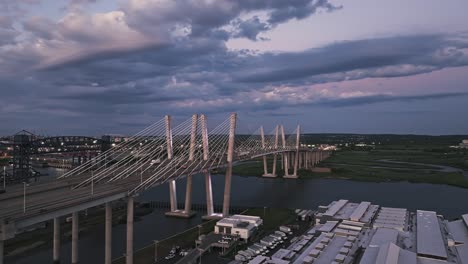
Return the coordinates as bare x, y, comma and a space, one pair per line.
464, 143
243, 226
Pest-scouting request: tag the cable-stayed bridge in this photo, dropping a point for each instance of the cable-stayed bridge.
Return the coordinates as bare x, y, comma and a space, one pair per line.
161, 153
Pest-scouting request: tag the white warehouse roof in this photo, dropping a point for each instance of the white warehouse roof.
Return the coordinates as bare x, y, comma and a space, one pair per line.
429, 237
359, 212
335, 207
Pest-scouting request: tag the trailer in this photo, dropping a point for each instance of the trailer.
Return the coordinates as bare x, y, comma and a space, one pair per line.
285, 229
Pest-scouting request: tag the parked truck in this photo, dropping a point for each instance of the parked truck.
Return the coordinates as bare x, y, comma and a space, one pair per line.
285, 229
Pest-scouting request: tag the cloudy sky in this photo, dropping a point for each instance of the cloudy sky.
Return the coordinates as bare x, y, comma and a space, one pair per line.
114, 66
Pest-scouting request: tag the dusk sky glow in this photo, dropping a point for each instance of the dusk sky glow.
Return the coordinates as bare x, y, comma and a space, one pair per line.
90, 67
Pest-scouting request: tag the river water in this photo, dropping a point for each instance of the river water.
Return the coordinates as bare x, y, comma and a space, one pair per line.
261, 192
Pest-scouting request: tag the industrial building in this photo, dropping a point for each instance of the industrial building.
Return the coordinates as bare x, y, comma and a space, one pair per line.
347, 232
243, 226
362, 212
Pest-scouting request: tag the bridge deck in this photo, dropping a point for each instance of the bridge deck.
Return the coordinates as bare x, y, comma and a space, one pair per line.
51, 199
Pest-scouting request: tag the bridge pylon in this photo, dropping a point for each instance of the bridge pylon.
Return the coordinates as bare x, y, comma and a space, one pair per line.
275, 155
187, 211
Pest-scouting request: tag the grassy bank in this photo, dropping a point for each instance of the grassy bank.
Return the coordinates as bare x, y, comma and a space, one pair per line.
415, 154
371, 165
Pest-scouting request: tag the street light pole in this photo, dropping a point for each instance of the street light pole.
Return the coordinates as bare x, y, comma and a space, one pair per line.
155, 250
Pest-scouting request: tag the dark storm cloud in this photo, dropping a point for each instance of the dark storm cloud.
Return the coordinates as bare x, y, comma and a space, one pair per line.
250, 28
423, 50
85, 68
364, 100
299, 10
206, 18
151, 79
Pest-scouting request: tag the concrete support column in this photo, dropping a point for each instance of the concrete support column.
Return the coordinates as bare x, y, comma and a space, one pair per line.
74, 238
296, 163
227, 191
282, 161
230, 156
265, 165
2, 244
284, 156
304, 155
129, 256
108, 241
56, 246
209, 194
188, 195
286, 164
173, 195
273, 172
275, 156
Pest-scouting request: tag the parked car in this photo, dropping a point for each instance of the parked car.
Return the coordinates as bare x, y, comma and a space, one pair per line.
170, 256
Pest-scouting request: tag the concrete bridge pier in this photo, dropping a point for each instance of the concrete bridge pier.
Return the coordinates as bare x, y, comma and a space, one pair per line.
74, 254
173, 195
265, 167
108, 240
129, 254
2, 245
188, 196
305, 161
56, 242
209, 198
286, 164
282, 161
299, 159
273, 172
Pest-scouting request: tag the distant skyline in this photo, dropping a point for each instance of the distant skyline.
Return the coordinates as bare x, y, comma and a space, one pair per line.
91, 67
